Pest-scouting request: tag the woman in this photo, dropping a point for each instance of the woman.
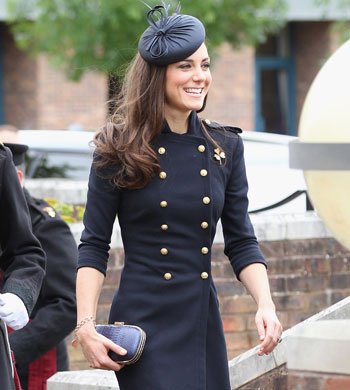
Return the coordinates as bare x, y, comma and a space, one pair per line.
169, 177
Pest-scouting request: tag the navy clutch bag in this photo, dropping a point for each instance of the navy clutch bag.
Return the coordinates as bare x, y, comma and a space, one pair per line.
130, 337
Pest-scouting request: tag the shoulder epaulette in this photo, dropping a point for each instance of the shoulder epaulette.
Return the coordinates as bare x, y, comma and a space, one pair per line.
39, 209
217, 126
44, 208
50, 211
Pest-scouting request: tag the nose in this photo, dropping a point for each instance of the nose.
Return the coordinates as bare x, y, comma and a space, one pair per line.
199, 74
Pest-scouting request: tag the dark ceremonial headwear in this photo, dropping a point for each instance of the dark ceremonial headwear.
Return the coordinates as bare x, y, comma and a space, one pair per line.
170, 39
18, 152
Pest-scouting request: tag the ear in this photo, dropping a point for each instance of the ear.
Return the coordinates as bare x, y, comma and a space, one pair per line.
20, 176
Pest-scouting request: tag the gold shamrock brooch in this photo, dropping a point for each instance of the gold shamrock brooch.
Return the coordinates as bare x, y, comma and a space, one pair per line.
219, 155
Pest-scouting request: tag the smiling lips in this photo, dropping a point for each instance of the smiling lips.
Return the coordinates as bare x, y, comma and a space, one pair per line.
194, 91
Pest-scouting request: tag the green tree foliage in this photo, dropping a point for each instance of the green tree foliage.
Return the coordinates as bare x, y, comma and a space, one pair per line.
341, 27
81, 35
69, 213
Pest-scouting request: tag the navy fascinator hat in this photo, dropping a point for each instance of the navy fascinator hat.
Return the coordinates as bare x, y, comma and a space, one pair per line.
170, 38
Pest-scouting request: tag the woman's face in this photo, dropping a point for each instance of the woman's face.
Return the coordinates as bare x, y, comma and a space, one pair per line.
187, 82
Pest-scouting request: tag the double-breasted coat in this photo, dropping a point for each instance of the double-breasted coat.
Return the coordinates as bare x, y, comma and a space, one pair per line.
168, 229
54, 315
22, 261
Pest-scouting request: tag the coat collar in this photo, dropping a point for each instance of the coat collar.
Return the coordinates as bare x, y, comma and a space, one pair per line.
194, 126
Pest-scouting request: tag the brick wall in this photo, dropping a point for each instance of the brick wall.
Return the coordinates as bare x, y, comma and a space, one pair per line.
301, 380
38, 96
283, 379
306, 276
276, 379
62, 102
20, 84
231, 96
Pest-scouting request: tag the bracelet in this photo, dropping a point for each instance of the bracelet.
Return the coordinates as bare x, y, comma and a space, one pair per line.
83, 322
79, 325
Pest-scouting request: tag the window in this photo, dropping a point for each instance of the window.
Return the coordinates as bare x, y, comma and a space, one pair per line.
275, 84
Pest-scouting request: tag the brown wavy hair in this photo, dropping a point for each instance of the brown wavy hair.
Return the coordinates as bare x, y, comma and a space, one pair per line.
124, 142
123, 146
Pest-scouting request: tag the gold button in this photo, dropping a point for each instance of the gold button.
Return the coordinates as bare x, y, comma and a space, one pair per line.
204, 225
162, 175
163, 203
204, 250
164, 251
161, 150
203, 172
201, 148
168, 276
206, 200
204, 275
164, 227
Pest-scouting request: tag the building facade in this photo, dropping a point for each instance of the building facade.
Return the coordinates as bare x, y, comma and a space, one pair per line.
257, 88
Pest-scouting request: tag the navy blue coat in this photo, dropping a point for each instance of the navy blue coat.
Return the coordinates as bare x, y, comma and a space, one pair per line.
168, 229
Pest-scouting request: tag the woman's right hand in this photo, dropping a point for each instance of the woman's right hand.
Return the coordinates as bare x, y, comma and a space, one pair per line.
95, 348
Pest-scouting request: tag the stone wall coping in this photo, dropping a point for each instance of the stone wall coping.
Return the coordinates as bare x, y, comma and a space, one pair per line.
321, 346
268, 227
243, 368
83, 380
297, 226
249, 366
64, 190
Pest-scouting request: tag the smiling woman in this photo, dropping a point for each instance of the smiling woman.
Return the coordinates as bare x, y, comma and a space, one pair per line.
186, 85
169, 176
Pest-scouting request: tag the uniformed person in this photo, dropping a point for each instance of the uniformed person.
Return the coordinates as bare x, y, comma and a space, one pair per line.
40, 348
22, 263
169, 177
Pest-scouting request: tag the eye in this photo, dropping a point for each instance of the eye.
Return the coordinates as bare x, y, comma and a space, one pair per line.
206, 65
184, 66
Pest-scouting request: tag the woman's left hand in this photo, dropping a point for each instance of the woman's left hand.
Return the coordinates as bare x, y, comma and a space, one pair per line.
269, 329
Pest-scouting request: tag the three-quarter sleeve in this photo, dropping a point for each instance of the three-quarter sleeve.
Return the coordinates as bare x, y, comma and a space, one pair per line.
100, 213
241, 245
